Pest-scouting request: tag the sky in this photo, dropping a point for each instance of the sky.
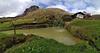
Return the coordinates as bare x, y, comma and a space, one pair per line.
11, 8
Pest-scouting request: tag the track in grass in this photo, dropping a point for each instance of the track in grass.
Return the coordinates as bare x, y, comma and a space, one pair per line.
59, 34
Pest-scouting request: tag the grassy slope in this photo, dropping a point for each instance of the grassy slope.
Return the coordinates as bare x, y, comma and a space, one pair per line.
37, 16
91, 28
42, 45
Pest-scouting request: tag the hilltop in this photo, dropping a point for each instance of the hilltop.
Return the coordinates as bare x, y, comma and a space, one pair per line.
34, 13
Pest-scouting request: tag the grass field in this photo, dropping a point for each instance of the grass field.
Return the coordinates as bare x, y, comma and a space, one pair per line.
90, 28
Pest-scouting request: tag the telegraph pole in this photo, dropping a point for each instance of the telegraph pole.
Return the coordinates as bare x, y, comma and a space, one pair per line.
13, 25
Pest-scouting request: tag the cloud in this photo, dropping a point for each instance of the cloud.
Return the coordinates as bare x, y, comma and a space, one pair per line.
73, 6
15, 7
58, 6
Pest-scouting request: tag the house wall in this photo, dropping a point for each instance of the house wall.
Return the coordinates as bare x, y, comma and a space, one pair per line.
80, 16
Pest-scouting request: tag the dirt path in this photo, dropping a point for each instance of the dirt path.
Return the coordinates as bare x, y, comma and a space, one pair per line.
58, 34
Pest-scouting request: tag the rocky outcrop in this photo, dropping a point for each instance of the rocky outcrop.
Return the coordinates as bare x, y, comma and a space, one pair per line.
30, 9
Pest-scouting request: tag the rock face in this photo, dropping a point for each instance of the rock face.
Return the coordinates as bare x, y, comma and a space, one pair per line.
25, 13
32, 8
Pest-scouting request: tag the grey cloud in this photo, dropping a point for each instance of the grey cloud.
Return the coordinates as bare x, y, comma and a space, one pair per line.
15, 7
8, 7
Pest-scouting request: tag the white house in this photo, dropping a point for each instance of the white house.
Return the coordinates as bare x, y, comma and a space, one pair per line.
81, 15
